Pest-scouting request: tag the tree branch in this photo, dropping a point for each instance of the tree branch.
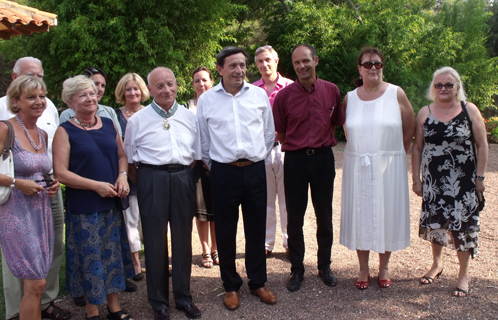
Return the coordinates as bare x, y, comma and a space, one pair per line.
356, 11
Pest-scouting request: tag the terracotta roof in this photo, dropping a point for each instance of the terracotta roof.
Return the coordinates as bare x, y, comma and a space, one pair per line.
16, 19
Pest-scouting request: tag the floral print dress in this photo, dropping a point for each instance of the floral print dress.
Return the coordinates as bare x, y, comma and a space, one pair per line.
449, 214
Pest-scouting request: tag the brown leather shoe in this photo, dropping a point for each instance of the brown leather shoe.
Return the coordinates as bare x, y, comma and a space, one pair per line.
265, 295
231, 300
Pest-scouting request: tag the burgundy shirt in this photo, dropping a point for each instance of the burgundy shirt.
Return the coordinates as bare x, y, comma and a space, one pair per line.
308, 118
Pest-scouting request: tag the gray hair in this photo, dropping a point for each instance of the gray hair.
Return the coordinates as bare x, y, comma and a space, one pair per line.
148, 76
263, 49
17, 66
431, 92
73, 85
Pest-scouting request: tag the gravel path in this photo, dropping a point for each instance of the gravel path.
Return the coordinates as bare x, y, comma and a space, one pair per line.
405, 299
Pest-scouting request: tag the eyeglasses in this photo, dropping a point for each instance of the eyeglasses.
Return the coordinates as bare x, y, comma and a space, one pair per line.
440, 86
370, 64
258, 50
47, 180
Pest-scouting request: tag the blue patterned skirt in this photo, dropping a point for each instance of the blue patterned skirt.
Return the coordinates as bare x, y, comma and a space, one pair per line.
98, 258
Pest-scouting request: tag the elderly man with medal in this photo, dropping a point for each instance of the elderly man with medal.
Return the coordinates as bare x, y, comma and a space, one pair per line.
162, 142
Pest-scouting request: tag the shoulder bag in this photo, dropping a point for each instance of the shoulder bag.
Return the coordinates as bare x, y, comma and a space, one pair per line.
482, 202
7, 163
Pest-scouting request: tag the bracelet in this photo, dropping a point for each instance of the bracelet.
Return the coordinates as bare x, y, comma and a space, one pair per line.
123, 172
480, 178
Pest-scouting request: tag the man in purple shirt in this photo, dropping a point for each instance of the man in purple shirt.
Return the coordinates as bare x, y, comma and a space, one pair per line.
306, 114
271, 81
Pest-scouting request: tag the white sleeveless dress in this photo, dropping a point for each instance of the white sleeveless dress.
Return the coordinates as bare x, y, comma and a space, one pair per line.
375, 211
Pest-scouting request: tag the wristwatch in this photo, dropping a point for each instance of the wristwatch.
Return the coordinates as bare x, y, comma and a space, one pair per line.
13, 184
480, 177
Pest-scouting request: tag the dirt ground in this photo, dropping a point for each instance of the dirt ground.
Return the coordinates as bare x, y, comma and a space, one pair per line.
405, 299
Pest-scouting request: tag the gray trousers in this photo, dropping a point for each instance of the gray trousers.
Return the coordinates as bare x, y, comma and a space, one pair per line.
12, 286
167, 197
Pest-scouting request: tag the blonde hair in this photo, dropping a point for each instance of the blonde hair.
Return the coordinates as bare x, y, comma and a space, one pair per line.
73, 85
121, 87
431, 92
23, 85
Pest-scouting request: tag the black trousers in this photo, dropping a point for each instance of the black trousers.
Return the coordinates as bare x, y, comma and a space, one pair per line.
167, 197
318, 171
232, 186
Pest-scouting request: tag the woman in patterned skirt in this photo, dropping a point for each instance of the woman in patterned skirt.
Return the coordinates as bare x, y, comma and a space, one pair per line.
452, 178
89, 159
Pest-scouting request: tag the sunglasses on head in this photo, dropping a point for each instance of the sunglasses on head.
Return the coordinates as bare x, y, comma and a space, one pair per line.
370, 64
448, 86
258, 50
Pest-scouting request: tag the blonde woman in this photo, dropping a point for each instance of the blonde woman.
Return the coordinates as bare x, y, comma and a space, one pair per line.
131, 91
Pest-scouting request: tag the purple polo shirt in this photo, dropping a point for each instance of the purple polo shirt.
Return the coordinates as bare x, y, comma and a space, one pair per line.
308, 118
281, 83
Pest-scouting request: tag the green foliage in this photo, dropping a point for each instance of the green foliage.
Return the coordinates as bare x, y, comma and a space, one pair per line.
415, 40
123, 36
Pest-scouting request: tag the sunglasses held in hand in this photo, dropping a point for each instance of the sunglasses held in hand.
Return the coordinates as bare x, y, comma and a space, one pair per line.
46, 180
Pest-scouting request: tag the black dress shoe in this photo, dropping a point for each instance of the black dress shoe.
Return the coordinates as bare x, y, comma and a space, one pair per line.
294, 283
328, 278
130, 286
161, 315
79, 301
190, 310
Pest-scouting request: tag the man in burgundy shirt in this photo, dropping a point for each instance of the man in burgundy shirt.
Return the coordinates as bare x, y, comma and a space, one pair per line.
272, 82
306, 114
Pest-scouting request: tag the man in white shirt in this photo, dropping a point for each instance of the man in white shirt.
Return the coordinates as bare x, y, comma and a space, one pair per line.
237, 134
271, 81
12, 286
163, 139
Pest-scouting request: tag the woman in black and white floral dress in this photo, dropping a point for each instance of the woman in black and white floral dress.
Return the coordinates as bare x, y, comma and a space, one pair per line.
452, 178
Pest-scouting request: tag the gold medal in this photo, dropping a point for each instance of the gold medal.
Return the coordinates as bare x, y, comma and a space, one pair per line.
166, 124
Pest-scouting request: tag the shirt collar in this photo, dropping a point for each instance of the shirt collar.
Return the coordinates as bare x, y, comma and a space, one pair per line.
280, 82
313, 86
160, 111
219, 87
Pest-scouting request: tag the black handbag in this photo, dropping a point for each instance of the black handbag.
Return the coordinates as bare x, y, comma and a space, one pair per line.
482, 201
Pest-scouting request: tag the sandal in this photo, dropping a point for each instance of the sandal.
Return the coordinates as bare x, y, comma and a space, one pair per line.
138, 277
57, 313
216, 259
207, 261
385, 283
118, 315
429, 279
93, 318
363, 285
459, 293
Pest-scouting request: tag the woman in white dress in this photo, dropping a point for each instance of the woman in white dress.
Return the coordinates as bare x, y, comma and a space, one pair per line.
375, 212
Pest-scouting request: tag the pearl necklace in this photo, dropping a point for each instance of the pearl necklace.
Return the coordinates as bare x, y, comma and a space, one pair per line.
84, 125
128, 112
31, 141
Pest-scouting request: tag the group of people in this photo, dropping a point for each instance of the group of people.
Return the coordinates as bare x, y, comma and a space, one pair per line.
133, 173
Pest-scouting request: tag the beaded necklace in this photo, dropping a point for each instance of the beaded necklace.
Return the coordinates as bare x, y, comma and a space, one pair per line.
84, 125
36, 147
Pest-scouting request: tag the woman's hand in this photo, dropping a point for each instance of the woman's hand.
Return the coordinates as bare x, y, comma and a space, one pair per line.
28, 187
105, 190
121, 186
417, 188
479, 188
53, 189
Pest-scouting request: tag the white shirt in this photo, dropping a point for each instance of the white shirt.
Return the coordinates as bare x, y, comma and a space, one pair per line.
102, 111
235, 127
146, 140
48, 121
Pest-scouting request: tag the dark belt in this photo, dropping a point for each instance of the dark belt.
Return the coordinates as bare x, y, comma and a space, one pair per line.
241, 163
276, 144
165, 167
313, 152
